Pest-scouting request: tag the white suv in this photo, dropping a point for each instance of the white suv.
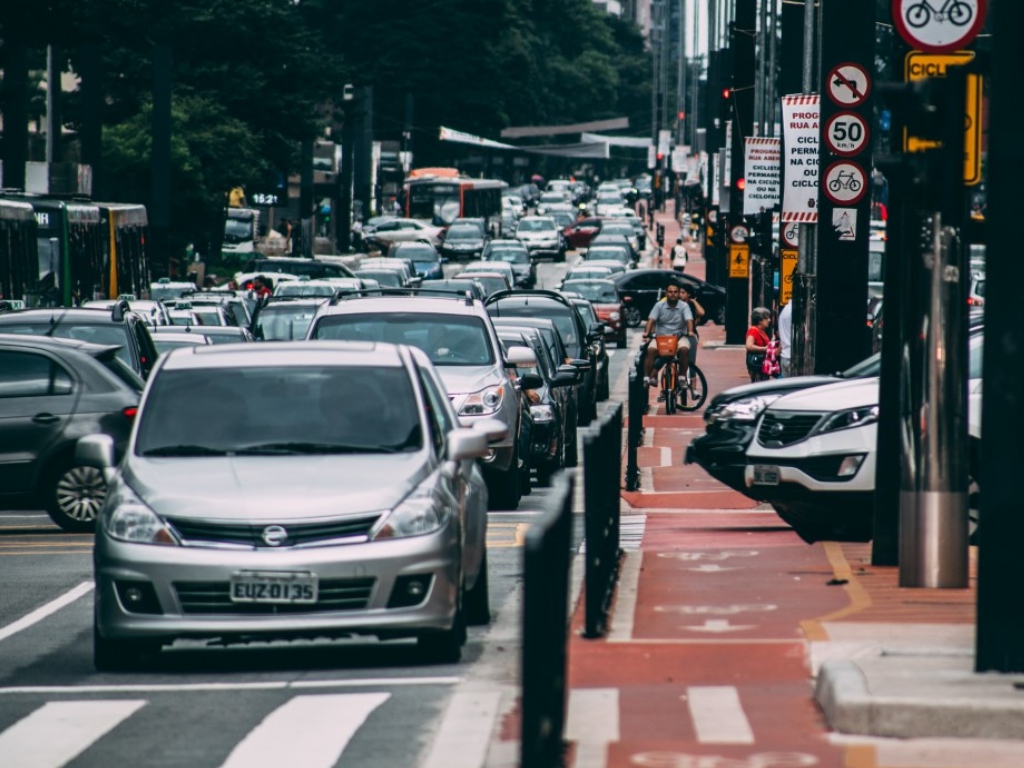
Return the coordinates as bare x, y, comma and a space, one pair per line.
813, 455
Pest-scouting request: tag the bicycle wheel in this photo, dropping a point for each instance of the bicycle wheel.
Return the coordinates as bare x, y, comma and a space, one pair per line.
960, 14
693, 396
835, 185
668, 388
918, 15
854, 185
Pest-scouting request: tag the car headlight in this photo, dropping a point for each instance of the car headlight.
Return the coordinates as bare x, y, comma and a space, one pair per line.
419, 514
746, 409
483, 403
614, 316
542, 413
852, 417
127, 518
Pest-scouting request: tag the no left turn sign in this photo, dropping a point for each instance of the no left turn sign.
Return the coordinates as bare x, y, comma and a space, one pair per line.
846, 133
939, 26
849, 85
845, 182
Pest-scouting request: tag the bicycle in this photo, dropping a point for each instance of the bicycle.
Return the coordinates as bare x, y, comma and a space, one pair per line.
687, 395
955, 12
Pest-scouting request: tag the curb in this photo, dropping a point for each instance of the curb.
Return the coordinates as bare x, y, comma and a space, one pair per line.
844, 696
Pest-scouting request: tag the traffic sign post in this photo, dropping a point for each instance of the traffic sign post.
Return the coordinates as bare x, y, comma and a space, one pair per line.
938, 26
847, 134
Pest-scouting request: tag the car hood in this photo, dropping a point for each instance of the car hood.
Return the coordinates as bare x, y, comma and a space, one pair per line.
463, 379
271, 487
831, 397
550, 235
772, 387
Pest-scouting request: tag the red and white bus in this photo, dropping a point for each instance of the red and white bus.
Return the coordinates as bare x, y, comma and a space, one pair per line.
441, 195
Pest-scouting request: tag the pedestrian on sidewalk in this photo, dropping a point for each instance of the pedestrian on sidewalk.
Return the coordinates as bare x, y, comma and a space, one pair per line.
786, 340
757, 342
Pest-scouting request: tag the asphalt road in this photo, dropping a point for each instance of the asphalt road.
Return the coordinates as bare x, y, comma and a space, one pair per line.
295, 705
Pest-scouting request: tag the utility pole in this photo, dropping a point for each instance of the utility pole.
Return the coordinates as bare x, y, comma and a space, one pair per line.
160, 162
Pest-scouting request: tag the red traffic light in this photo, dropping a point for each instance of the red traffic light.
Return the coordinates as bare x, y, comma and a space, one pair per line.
661, 156
681, 115
741, 184
726, 93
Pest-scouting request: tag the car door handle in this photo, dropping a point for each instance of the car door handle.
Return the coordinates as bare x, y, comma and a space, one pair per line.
45, 418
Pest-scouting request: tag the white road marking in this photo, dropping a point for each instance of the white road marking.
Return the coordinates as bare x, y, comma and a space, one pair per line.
321, 725
465, 732
372, 682
666, 456
719, 625
57, 732
593, 723
718, 716
45, 610
623, 614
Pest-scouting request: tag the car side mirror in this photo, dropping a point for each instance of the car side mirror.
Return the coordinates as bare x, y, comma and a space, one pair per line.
530, 381
495, 429
561, 379
580, 365
520, 356
570, 370
466, 444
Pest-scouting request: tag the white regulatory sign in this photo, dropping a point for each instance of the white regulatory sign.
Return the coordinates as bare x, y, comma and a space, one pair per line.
848, 85
845, 183
846, 133
938, 26
739, 233
791, 234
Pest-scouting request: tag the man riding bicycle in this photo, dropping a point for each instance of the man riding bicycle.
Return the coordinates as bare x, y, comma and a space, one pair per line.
671, 317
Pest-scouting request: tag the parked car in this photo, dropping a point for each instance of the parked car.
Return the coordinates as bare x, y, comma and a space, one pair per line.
226, 521
610, 310
52, 392
541, 236
459, 339
119, 327
575, 335
640, 289
548, 404
516, 254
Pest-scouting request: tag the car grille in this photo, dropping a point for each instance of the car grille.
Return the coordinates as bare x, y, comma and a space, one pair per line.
781, 428
214, 597
247, 534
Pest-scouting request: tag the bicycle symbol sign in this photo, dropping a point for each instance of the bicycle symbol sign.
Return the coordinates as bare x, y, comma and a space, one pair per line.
939, 26
845, 182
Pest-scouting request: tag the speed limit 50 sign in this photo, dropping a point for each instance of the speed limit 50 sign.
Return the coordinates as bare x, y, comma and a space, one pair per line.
847, 133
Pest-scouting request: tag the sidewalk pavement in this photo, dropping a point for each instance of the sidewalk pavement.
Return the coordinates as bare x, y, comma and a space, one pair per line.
733, 644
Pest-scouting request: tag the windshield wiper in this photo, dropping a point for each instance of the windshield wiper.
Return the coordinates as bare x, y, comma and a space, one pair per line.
185, 450
296, 448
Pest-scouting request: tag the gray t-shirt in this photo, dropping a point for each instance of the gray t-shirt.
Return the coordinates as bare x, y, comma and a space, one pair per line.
671, 321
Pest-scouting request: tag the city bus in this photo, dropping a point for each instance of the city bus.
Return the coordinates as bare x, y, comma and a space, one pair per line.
440, 199
18, 257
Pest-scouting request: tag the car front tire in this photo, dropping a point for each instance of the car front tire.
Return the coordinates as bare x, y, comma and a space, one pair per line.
73, 495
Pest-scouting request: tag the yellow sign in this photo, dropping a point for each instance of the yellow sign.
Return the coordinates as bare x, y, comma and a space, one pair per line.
739, 260
789, 259
918, 66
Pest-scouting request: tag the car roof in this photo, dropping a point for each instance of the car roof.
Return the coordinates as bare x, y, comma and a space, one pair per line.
295, 353
453, 304
49, 342
590, 281
61, 315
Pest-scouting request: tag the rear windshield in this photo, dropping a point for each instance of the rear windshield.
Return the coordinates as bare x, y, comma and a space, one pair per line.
447, 339
599, 292
561, 315
284, 322
295, 410
106, 335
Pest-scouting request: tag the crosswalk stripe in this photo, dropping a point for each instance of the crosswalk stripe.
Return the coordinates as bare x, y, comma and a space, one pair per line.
465, 732
593, 723
57, 732
718, 716
43, 611
306, 732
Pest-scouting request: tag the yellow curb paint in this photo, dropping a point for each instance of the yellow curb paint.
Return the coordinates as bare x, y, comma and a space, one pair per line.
507, 535
859, 597
49, 544
860, 756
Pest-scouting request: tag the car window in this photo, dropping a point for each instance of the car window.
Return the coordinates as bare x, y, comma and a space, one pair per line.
446, 339
594, 291
279, 411
26, 374
440, 419
284, 322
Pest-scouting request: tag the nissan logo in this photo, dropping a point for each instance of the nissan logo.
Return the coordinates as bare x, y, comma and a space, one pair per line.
774, 430
274, 535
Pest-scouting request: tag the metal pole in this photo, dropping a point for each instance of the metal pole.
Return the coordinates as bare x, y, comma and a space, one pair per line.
774, 18
804, 296
52, 88
681, 77
759, 86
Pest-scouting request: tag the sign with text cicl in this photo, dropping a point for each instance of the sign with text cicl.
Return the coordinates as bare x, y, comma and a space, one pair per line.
761, 172
938, 26
800, 117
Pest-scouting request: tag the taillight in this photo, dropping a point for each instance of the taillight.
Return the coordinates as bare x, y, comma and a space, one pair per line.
129, 412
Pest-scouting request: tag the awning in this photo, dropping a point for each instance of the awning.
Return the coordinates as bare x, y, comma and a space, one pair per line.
450, 134
638, 142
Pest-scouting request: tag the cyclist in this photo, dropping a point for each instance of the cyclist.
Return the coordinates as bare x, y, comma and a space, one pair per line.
671, 317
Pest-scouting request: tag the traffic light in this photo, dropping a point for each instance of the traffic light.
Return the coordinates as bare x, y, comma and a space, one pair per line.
726, 93
741, 184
